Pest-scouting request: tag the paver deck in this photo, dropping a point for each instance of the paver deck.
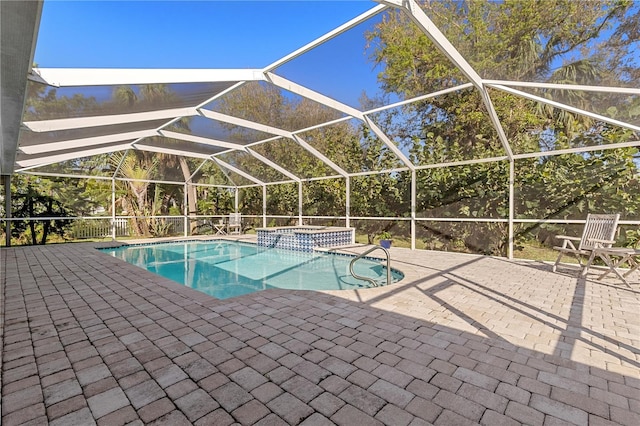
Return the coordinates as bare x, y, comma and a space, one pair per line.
88, 339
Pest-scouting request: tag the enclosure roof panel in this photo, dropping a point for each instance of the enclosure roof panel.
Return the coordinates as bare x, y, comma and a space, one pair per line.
270, 89
61, 77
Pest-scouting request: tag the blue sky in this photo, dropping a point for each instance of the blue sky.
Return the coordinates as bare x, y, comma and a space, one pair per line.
183, 34
204, 34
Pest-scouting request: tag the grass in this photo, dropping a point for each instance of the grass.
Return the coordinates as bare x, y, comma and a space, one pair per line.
397, 241
536, 251
530, 251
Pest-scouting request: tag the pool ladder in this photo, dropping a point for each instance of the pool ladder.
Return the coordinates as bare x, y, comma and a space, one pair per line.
371, 280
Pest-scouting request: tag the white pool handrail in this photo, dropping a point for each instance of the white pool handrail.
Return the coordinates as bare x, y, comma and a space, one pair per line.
371, 280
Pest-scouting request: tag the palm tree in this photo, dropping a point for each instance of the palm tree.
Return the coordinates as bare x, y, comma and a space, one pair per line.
139, 173
157, 96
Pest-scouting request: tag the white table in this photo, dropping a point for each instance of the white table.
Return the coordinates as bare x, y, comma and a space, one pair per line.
614, 257
221, 228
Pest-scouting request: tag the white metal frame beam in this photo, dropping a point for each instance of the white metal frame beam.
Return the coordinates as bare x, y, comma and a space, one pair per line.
170, 182
559, 86
205, 102
161, 150
332, 103
320, 156
195, 172
225, 172
326, 37
389, 143
275, 138
417, 15
51, 159
325, 124
322, 178
420, 18
462, 162
243, 123
107, 120
493, 115
419, 98
311, 94
567, 107
62, 77
213, 185
629, 144
81, 143
382, 171
242, 173
121, 162
27, 172
200, 139
273, 165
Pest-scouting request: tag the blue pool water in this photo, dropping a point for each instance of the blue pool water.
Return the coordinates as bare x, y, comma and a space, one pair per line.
226, 269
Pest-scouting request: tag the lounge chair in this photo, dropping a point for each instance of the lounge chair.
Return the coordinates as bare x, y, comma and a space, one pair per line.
235, 223
599, 231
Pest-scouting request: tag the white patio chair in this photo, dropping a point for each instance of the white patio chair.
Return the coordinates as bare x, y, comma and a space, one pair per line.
599, 231
235, 223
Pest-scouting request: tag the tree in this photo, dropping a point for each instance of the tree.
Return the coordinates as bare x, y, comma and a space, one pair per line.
267, 104
170, 167
33, 198
554, 41
136, 201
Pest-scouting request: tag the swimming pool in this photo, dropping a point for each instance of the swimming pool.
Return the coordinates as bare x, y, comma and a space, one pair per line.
225, 269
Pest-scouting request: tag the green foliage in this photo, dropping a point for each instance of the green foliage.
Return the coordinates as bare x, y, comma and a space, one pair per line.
385, 235
33, 197
632, 238
159, 228
554, 41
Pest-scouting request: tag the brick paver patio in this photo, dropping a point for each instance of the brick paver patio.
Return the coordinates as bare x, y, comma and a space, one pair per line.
461, 340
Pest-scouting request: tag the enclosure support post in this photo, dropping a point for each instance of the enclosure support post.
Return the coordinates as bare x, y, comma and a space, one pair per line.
511, 206
195, 191
348, 203
264, 206
113, 209
7, 209
413, 208
186, 211
300, 203
235, 201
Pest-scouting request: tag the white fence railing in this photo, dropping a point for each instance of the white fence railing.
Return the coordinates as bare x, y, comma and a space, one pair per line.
102, 228
99, 228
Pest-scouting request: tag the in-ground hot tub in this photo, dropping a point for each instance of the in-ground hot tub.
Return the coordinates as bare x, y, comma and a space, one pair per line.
305, 238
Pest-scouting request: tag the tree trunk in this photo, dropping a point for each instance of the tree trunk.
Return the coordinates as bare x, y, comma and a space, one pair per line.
47, 223
191, 193
141, 208
32, 224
